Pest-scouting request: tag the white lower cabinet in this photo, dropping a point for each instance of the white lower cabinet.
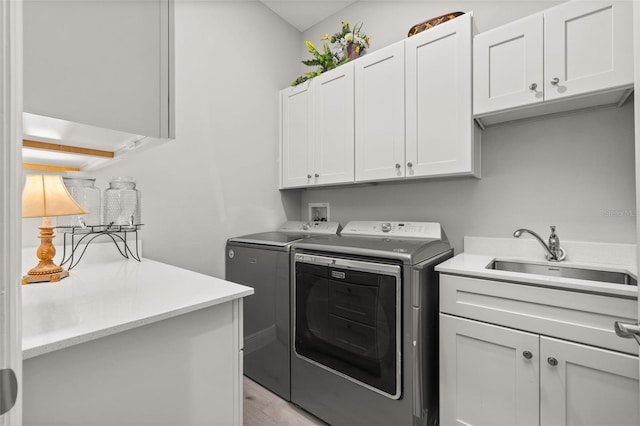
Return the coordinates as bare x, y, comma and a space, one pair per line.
493, 375
515, 354
484, 377
583, 385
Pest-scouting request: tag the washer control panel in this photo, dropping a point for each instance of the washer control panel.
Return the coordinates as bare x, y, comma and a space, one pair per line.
405, 230
300, 227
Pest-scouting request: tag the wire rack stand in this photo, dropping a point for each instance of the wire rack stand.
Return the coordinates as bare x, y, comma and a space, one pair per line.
86, 234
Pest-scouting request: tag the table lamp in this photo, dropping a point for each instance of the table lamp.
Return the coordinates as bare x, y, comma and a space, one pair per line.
46, 196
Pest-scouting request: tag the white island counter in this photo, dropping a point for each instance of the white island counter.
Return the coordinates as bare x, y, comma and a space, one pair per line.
133, 343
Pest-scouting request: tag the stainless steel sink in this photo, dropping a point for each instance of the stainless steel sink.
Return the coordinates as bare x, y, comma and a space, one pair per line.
564, 272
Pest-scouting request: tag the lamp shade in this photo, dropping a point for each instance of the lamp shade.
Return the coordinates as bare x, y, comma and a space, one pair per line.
45, 196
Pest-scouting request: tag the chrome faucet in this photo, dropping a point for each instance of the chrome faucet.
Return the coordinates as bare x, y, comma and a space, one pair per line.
554, 252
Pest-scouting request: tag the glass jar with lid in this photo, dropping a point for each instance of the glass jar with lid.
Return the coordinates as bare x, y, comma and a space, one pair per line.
82, 188
122, 202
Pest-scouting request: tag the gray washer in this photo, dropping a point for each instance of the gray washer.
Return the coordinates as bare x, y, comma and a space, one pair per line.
262, 261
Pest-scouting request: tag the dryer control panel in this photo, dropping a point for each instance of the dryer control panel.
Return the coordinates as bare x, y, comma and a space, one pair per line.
404, 230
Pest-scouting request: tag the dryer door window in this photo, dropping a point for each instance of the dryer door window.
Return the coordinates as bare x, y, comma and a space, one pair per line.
347, 321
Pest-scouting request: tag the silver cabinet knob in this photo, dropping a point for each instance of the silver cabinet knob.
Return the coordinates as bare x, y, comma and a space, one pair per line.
397, 165
409, 164
533, 86
317, 175
552, 361
555, 81
308, 176
527, 354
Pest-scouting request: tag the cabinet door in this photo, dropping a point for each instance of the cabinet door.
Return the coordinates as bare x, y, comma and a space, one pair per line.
439, 108
102, 63
379, 114
588, 46
489, 375
296, 131
333, 134
583, 385
508, 66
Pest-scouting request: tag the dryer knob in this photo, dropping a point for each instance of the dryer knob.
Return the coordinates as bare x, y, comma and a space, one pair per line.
386, 227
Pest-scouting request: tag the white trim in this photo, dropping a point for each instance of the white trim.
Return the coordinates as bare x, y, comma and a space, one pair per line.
10, 188
636, 54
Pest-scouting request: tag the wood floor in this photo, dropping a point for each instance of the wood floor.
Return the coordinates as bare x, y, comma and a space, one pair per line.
263, 408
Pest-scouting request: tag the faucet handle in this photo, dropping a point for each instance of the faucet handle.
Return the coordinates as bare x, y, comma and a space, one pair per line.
554, 241
554, 245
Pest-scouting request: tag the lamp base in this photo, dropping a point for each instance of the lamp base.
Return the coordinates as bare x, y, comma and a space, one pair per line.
42, 278
45, 270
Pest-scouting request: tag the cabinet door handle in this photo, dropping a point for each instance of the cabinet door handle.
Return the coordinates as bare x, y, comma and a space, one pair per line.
555, 81
397, 165
552, 361
409, 164
527, 354
317, 175
533, 86
627, 330
308, 176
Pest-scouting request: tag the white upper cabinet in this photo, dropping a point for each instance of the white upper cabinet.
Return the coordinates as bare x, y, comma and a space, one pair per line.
588, 47
508, 66
403, 111
379, 114
100, 63
441, 138
579, 52
295, 135
333, 133
317, 130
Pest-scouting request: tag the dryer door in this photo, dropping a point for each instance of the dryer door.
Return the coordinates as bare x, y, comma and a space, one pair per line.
347, 320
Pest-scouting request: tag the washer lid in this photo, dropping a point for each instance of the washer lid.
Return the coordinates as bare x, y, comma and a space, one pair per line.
310, 228
289, 232
278, 239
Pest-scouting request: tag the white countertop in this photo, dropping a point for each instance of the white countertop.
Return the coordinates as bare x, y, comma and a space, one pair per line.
480, 252
100, 299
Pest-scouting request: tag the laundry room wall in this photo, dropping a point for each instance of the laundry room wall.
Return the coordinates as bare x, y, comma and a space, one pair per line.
219, 177
575, 171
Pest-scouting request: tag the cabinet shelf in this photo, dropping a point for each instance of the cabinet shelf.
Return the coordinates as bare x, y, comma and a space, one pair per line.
84, 235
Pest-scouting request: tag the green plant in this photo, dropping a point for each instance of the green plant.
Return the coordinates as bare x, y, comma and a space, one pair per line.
325, 61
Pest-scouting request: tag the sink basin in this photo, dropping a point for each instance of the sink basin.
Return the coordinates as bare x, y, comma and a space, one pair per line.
564, 272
